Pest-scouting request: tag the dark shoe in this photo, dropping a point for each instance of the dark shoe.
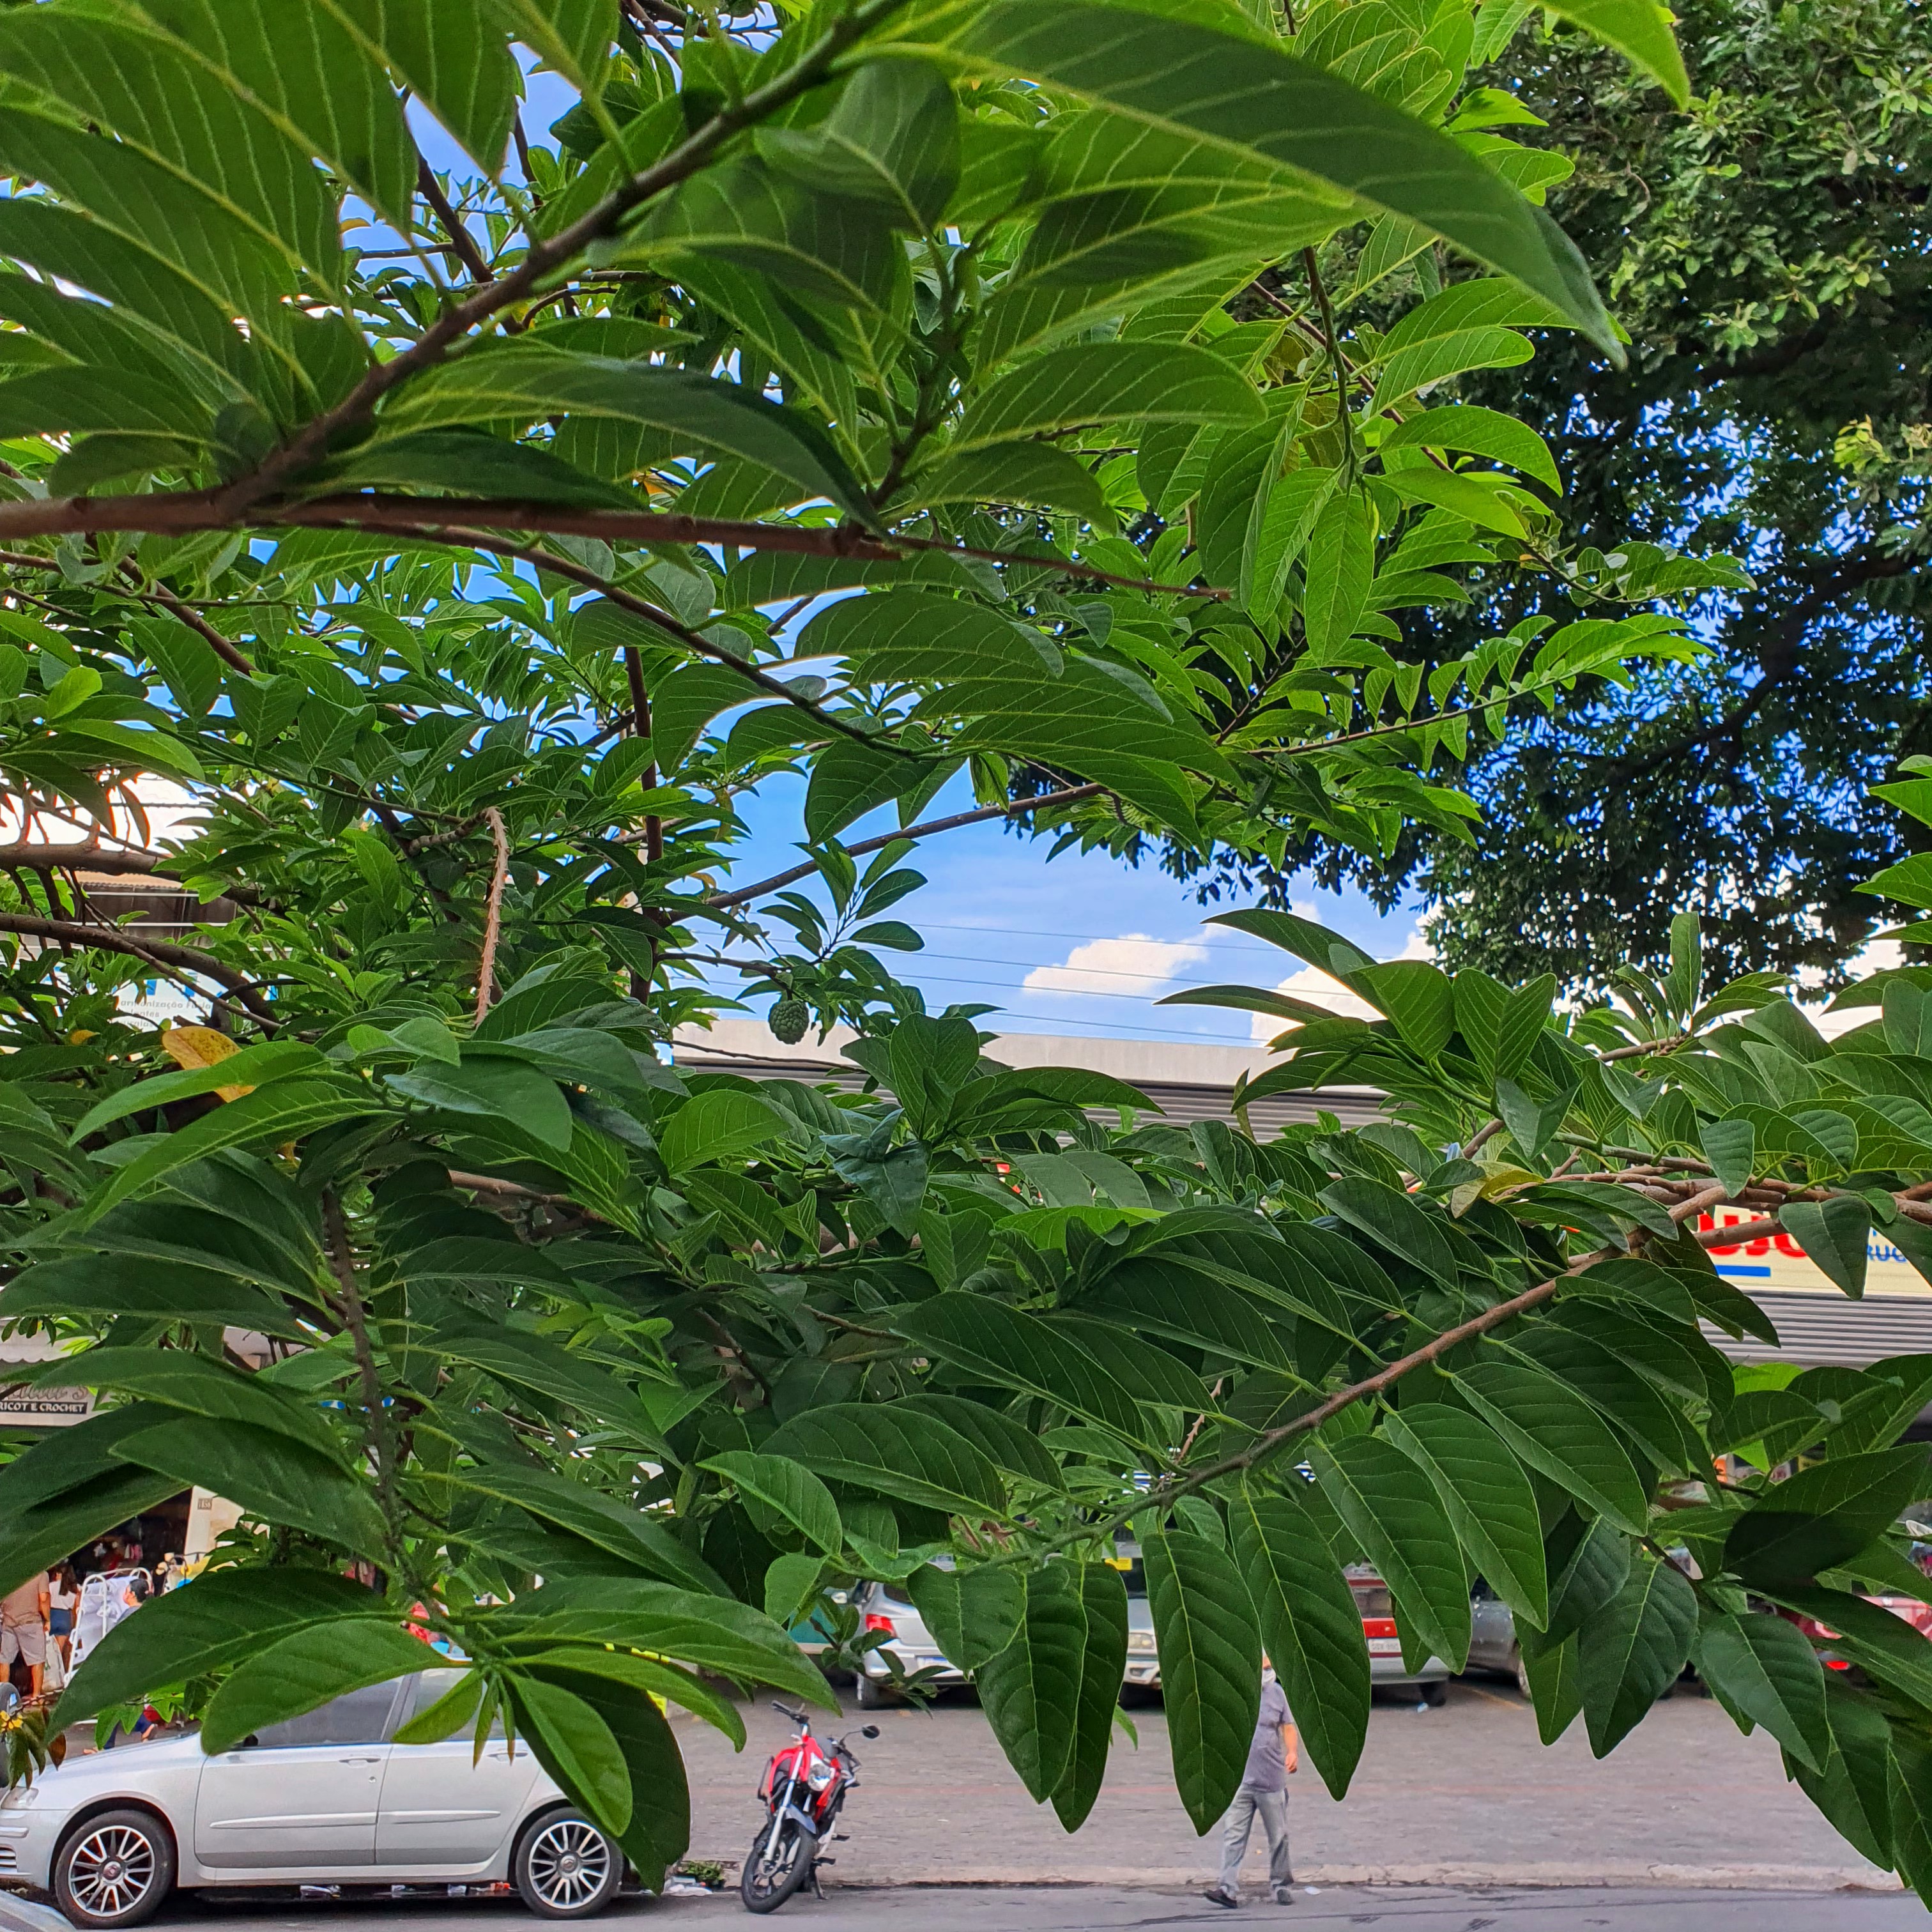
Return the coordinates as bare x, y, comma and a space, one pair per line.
1217, 1895
1285, 1895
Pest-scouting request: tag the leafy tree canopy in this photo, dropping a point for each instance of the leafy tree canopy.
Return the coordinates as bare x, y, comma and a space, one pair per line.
876, 395
1767, 250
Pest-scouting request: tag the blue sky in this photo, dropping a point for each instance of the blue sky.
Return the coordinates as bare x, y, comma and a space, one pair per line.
1099, 942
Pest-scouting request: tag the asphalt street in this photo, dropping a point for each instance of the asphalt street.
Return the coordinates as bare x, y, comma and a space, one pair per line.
1100, 1909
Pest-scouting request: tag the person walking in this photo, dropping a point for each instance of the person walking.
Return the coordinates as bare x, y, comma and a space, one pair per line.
1272, 1757
63, 1600
23, 1627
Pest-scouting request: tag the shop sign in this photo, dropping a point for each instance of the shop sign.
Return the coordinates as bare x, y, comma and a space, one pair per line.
1778, 1262
45, 1406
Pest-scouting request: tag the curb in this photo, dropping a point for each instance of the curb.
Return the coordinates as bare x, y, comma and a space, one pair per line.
1605, 1873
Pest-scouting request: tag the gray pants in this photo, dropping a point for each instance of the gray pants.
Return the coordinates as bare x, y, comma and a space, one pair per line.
1271, 1807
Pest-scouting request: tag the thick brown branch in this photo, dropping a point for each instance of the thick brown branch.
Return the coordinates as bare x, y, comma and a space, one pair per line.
171, 961
422, 518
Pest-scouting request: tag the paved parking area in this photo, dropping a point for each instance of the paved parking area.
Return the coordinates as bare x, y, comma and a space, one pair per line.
1464, 1795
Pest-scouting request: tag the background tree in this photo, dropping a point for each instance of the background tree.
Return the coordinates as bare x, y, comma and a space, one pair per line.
1767, 251
877, 395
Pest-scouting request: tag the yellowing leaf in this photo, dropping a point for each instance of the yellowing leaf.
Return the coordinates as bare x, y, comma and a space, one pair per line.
194, 1047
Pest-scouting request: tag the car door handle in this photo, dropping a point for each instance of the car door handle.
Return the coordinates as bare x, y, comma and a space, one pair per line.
358, 1760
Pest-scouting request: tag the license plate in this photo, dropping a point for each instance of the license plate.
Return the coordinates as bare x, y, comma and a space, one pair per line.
1385, 1646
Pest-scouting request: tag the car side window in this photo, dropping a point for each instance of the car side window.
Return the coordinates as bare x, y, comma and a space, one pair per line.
357, 1717
431, 1684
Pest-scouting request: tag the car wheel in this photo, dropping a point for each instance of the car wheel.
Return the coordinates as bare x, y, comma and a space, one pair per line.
115, 1870
1434, 1695
871, 1693
566, 1867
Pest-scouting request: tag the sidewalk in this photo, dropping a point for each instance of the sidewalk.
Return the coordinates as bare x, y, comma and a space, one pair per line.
1463, 1795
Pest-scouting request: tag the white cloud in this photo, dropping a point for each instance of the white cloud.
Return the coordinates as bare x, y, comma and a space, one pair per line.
1134, 965
1322, 989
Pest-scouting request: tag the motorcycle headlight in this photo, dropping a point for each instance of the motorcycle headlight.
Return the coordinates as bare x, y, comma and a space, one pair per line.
820, 1775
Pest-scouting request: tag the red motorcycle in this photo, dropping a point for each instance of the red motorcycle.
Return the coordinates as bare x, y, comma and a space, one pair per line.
804, 1790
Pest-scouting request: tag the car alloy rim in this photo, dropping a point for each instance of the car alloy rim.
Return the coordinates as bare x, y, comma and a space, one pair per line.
569, 1863
111, 1871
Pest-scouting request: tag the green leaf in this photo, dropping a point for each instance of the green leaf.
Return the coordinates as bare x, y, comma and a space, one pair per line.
451, 55
1101, 382
1552, 1667
1035, 473
915, 1458
273, 1478
973, 1613
849, 779
1392, 1511
649, 1675
1393, 1220
1854, 1791
1824, 1515
710, 1632
34, 1537
1835, 1233
1210, 1665
1469, 325
252, 1066
1018, 1350
1311, 1628
1639, 30
658, 1833
1869, 1635
1341, 564
160, 1291
284, 1111
450, 1713
1487, 1496
892, 138
1469, 428
523, 1360
1589, 1562
304, 1670
1557, 1433
506, 1091
1630, 1652
996, 1435
1731, 1148
1254, 101
1031, 1688
788, 1487
180, 1380
572, 36
231, 1615
718, 1126
1418, 997
1103, 1662
1765, 1669
576, 1748
697, 416
631, 1534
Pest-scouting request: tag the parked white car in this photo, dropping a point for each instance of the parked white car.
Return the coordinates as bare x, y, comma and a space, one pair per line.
325, 1799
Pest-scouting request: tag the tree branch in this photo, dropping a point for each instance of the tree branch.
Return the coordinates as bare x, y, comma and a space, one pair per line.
493, 917
171, 961
183, 513
460, 239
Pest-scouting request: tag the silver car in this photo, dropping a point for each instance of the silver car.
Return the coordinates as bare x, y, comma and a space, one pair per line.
328, 1798
1387, 1671
886, 1610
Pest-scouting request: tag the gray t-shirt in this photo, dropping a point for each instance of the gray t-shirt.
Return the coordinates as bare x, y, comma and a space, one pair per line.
1267, 1760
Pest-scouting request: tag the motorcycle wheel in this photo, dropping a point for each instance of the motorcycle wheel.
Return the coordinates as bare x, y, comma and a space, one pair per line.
773, 1872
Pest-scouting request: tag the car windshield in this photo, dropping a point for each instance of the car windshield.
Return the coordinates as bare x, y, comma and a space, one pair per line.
1372, 1600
